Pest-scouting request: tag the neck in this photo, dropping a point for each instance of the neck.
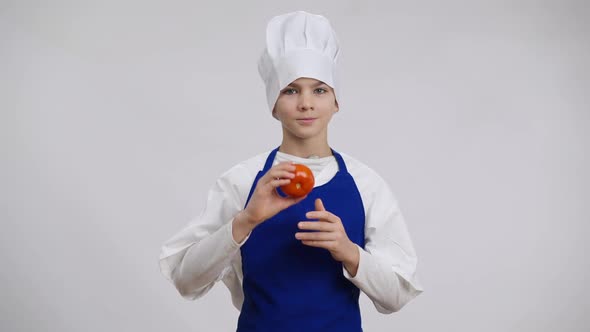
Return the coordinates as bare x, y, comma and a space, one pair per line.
304, 148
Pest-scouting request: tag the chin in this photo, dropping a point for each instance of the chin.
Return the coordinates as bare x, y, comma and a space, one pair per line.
305, 135
303, 132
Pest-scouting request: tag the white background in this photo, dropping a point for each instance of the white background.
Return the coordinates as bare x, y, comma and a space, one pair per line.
117, 117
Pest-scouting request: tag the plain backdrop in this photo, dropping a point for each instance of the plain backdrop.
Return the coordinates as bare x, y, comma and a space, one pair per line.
118, 116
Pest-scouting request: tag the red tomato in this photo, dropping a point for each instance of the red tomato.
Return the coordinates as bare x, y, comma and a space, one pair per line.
301, 184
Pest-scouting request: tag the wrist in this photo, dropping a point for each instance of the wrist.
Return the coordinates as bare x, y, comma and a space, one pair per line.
351, 262
241, 227
246, 219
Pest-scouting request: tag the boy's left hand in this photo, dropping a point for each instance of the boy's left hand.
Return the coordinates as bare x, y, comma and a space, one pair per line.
329, 234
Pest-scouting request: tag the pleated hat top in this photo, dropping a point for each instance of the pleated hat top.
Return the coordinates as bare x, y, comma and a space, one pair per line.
298, 44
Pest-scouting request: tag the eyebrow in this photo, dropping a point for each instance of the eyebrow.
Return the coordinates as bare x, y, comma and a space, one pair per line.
314, 85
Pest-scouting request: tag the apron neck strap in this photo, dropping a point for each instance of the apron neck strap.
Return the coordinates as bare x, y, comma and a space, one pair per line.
270, 159
341, 164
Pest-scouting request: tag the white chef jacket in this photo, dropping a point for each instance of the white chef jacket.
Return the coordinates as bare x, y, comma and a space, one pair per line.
205, 252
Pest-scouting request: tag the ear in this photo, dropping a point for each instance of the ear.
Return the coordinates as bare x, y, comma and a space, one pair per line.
337, 107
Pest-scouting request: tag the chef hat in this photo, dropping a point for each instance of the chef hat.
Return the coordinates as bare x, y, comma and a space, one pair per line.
298, 44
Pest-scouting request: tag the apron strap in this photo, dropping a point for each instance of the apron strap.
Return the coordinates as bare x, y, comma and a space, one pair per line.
269, 160
341, 164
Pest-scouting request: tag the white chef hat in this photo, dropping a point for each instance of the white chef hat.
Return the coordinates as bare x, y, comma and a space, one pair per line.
298, 44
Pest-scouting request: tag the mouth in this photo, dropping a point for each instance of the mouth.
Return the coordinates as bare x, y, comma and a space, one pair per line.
306, 121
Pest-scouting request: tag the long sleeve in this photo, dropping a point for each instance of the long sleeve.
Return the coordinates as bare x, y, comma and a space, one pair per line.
387, 266
199, 255
205, 252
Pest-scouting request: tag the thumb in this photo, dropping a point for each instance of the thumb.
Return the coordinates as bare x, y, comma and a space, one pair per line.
294, 200
319, 205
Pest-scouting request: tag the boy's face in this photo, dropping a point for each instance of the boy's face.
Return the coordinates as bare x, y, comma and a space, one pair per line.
305, 107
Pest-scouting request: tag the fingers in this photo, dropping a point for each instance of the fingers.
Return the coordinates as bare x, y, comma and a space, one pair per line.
295, 200
323, 215
284, 170
316, 236
285, 166
325, 231
275, 183
288, 201
280, 174
329, 245
321, 226
319, 205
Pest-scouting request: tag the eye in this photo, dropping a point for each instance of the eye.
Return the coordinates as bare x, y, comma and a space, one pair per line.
289, 91
320, 91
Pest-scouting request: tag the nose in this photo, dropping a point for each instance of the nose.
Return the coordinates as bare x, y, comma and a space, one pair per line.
305, 102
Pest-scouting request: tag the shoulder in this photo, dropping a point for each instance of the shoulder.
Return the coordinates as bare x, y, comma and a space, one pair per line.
248, 167
240, 177
368, 181
361, 171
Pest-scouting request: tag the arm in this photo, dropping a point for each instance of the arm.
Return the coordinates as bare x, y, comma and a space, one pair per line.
198, 256
205, 262
387, 265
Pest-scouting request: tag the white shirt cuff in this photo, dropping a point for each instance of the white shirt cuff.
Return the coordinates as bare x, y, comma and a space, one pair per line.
361, 267
229, 231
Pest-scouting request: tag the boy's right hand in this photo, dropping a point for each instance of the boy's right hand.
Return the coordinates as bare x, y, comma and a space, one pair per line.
266, 201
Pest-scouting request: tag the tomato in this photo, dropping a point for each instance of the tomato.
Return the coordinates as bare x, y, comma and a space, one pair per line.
301, 184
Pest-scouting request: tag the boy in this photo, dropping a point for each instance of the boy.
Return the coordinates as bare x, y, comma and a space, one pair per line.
298, 264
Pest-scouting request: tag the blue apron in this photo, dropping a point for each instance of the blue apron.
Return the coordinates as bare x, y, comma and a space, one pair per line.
289, 286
